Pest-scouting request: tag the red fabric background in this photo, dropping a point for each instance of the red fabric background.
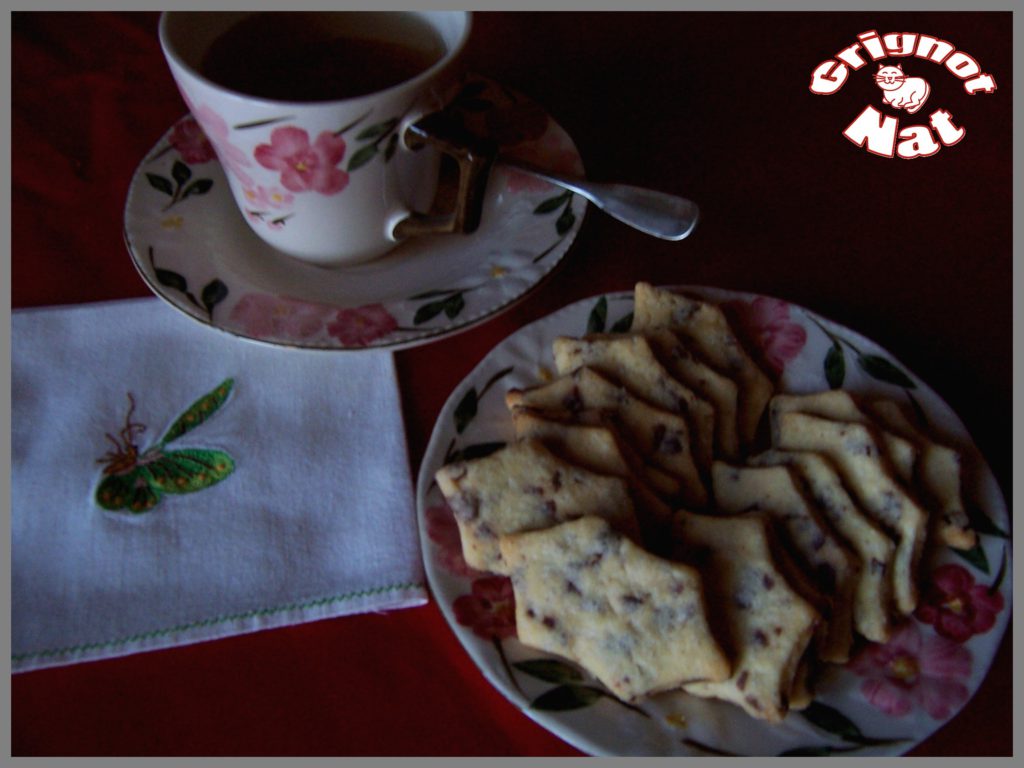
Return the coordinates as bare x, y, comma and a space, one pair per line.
915, 255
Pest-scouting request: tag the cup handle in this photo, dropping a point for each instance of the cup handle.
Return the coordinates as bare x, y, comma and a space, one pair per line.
474, 156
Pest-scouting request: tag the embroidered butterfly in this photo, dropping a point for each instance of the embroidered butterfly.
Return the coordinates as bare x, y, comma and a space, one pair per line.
137, 481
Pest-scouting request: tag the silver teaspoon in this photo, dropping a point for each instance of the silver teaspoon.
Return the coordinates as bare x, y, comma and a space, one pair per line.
656, 213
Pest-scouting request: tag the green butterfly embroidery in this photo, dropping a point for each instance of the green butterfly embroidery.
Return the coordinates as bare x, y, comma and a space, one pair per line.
136, 481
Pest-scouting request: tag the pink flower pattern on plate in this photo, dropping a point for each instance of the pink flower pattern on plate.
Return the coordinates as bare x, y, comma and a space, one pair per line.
767, 322
956, 606
191, 143
490, 608
275, 317
305, 166
914, 669
444, 532
362, 326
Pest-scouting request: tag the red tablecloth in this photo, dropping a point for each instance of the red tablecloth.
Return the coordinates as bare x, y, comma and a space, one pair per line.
914, 254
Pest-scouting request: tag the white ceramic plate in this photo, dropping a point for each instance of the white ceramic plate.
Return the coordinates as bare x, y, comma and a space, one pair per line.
194, 250
884, 702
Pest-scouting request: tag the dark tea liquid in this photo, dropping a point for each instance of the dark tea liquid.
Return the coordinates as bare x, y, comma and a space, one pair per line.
321, 57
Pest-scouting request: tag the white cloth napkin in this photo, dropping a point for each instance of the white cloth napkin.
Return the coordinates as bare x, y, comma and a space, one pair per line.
315, 521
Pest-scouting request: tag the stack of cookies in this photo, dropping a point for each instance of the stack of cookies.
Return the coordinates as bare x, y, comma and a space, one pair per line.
669, 520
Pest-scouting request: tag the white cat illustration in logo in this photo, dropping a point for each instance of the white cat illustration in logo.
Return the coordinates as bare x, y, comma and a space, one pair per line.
902, 92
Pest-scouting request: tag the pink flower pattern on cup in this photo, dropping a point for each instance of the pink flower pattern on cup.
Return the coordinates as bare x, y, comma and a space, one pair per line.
261, 197
217, 131
766, 320
276, 317
914, 669
956, 606
188, 138
305, 166
361, 326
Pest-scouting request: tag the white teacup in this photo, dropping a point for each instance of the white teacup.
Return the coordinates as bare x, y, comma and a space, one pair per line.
333, 174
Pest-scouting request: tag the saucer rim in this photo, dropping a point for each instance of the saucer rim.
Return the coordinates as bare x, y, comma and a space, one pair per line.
395, 346
403, 338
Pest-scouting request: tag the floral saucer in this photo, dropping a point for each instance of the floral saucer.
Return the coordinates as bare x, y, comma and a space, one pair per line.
885, 700
191, 245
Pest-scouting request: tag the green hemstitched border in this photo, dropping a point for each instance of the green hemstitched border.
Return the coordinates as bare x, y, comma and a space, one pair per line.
211, 622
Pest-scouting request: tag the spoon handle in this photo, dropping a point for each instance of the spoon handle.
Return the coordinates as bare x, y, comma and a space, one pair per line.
659, 214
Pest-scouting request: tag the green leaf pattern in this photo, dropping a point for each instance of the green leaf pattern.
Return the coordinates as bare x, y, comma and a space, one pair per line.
180, 186
572, 691
451, 304
371, 139
833, 721
597, 320
550, 670
561, 203
877, 367
598, 316
212, 294
835, 366
882, 369
466, 409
